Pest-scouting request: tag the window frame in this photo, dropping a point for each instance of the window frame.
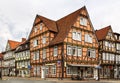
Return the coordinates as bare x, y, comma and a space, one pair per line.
83, 21
69, 50
55, 50
41, 26
44, 40
44, 53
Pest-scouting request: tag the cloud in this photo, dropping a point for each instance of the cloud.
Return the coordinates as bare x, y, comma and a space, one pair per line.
17, 16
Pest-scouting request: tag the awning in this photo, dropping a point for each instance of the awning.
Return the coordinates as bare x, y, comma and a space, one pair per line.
80, 65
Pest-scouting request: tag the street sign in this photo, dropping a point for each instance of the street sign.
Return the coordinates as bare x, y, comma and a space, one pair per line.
59, 63
29, 67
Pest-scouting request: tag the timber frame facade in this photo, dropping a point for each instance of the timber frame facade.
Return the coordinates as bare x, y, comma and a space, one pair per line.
22, 59
64, 48
108, 53
117, 63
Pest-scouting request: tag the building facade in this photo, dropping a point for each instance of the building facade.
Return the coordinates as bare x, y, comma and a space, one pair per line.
64, 48
1, 62
107, 52
9, 58
22, 58
117, 64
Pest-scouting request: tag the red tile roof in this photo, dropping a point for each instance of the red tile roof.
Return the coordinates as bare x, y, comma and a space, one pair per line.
64, 25
101, 33
51, 25
13, 44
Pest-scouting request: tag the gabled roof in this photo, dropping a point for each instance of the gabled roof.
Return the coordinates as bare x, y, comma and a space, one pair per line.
13, 44
64, 25
102, 33
51, 25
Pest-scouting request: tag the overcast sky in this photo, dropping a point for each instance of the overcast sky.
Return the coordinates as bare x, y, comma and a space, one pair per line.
17, 16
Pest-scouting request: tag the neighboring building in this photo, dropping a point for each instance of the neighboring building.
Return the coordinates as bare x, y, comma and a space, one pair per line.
9, 58
107, 52
117, 69
1, 62
64, 48
22, 58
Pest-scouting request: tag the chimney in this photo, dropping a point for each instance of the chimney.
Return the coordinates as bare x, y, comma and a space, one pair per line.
23, 39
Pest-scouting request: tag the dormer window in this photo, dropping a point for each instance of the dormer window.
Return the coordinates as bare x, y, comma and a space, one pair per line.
83, 21
41, 26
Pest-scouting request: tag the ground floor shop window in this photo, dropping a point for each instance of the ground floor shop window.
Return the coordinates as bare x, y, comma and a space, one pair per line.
47, 70
68, 69
34, 70
54, 69
89, 72
38, 70
74, 71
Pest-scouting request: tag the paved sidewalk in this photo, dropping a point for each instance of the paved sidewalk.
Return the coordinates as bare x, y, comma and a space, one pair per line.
57, 80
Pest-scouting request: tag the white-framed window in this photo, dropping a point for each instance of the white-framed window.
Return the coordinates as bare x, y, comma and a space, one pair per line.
107, 56
47, 70
74, 50
36, 55
54, 69
68, 70
79, 51
103, 56
34, 70
106, 43
55, 50
113, 57
35, 42
88, 38
76, 36
83, 21
79, 36
41, 26
44, 40
69, 50
38, 70
91, 53
118, 46
44, 53
35, 29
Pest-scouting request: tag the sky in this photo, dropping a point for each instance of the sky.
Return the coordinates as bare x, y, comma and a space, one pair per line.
17, 16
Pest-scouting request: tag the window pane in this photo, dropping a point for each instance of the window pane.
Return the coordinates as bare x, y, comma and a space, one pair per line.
69, 50
44, 53
79, 51
74, 51
44, 40
74, 35
83, 21
40, 26
55, 51
79, 36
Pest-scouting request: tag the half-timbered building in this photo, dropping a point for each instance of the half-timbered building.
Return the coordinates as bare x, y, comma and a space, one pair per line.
22, 58
9, 58
64, 48
107, 52
1, 62
117, 64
